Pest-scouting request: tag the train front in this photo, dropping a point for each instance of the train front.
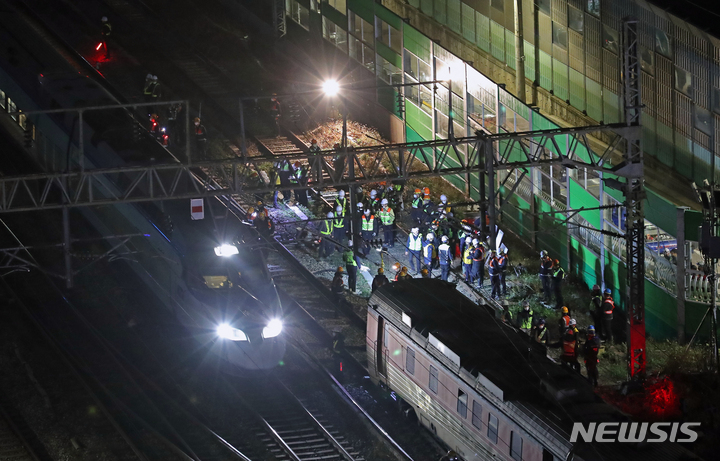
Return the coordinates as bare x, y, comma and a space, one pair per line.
247, 320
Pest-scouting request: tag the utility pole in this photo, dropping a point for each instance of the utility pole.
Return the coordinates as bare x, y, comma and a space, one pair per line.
519, 52
536, 28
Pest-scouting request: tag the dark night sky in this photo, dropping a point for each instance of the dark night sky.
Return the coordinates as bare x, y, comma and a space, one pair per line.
704, 14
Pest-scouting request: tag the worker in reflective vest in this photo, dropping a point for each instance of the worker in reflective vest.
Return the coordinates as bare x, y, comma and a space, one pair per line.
341, 201
414, 248
326, 230
444, 257
525, 318
416, 213
478, 269
494, 271
558, 276
387, 218
429, 253
368, 229
352, 261
339, 225
570, 347
564, 321
608, 306
468, 259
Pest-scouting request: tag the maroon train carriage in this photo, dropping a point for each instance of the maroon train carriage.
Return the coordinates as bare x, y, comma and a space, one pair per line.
480, 385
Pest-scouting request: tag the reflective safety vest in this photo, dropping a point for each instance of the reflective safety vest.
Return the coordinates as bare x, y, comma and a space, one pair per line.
414, 242
327, 227
493, 267
349, 258
444, 254
387, 216
368, 223
429, 251
569, 345
467, 257
417, 202
339, 222
608, 306
526, 321
342, 203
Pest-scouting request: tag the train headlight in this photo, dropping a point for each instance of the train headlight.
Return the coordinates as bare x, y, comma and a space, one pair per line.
225, 331
226, 250
272, 329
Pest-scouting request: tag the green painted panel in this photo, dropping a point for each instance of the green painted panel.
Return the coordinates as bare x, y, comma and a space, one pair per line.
468, 23
440, 11
593, 93
510, 49
664, 150
453, 16
497, 43
579, 198
416, 43
694, 312
551, 236
660, 312
414, 3
560, 79
418, 121
683, 156
388, 16
693, 219
545, 70
611, 109
387, 97
585, 263
387, 53
482, 32
577, 89
661, 213
426, 6
648, 133
413, 136
362, 8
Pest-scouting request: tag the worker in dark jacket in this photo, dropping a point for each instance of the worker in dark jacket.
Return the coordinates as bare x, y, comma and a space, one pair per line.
591, 349
200, 137
445, 257
569, 351
337, 286
478, 261
379, 279
558, 276
608, 306
502, 265
595, 307
403, 275
546, 270
105, 33
539, 333
493, 266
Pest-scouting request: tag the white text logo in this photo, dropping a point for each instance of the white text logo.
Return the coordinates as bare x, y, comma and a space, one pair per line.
634, 432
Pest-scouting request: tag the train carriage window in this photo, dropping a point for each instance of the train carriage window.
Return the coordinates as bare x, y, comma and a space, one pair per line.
477, 415
547, 456
462, 403
11, 107
2, 99
516, 444
492, 428
410, 361
433, 379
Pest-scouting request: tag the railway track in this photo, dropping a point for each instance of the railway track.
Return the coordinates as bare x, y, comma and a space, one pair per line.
14, 435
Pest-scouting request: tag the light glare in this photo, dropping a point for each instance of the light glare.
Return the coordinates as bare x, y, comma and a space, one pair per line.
331, 87
225, 331
226, 250
273, 328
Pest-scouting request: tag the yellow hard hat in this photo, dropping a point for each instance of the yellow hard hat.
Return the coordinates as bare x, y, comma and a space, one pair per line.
197, 119
564, 310
250, 210
381, 271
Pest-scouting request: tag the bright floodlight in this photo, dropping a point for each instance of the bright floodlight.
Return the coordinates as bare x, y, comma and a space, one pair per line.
233, 334
331, 87
273, 328
226, 250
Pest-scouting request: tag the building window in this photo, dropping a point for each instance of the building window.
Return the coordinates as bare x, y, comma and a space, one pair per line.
576, 19
662, 44
611, 39
298, 13
703, 120
462, 404
389, 72
334, 34
647, 60
715, 100
433, 379
683, 81
410, 361
477, 415
515, 446
362, 53
361, 28
492, 432
389, 35
543, 6
593, 7
499, 5
338, 5
559, 35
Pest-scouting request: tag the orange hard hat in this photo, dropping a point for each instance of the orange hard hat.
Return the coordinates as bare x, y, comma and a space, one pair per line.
557, 261
564, 310
417, 191
427, 190
404, 269
314, 141
340, 269
297, 164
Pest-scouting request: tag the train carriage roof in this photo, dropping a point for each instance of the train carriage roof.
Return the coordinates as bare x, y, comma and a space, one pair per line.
528, 382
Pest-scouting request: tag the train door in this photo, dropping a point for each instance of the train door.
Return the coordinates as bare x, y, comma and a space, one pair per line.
379, 343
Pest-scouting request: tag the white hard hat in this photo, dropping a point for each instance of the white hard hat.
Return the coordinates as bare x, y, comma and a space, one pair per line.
373, 193
104, 19
443, 198
384, 202
341, 194
359, 205
475, 241
367, 211
148, 77
330, 214
450, 215
468, 240
429, 236
415, 230
444, 239
154, 77
350, 243
338, 209
573, 322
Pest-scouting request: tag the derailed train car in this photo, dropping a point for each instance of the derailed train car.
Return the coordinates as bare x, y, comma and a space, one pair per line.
480, 385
